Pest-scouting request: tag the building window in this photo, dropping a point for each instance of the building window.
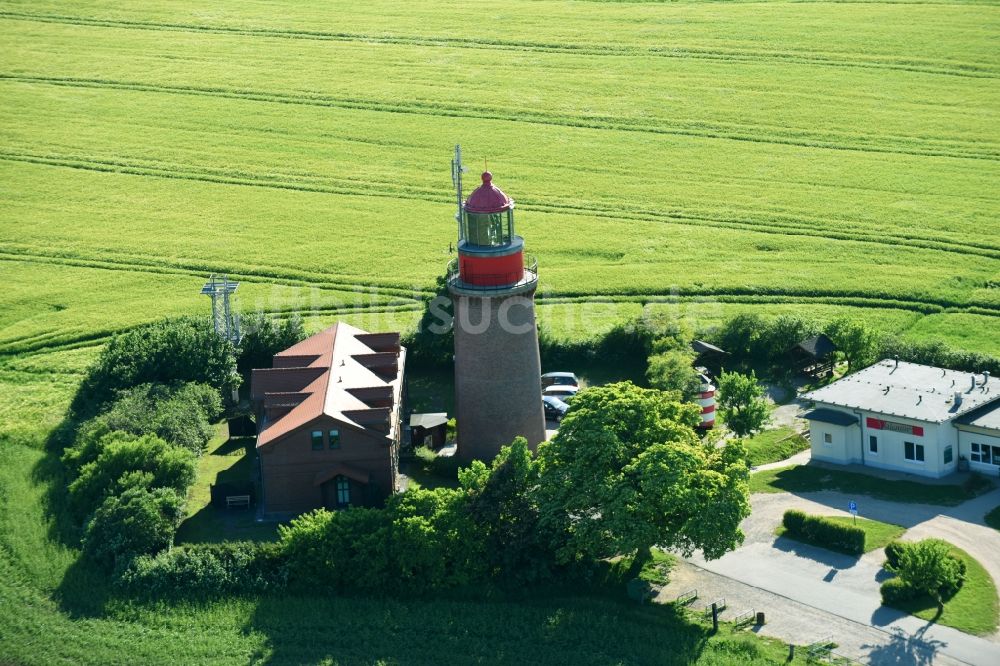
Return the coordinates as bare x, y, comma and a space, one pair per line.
317, 440
334, 439
343, 491
947, 455
873, 444
985, 453
913, 452
827, 438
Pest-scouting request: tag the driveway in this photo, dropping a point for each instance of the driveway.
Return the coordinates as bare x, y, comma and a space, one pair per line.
846, 588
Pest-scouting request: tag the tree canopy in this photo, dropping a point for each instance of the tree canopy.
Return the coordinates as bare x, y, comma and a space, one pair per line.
626, 471
741, 401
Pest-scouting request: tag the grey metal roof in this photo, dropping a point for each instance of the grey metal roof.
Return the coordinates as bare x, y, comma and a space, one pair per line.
909, 390
831, 416
428, 420
702, 347
818, 346
987, 416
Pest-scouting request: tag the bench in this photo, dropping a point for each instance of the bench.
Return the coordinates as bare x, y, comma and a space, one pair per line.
237, 500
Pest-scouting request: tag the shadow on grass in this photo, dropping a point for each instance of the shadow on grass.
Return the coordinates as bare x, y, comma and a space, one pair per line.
541, 628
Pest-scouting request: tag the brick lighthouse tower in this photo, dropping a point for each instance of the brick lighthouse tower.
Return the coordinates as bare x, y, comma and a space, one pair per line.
497, 367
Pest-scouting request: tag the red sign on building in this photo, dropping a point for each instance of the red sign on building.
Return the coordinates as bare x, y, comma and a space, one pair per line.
878, 424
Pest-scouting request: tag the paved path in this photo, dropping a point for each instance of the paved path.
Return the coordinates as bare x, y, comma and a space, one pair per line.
847, 588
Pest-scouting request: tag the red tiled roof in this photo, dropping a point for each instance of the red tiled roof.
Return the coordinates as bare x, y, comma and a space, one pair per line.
335, 375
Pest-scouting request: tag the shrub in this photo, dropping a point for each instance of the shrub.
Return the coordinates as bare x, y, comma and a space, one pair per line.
892, 553
205, 570
421, 540
163, 465
928, 567
138, 522
896, 592
180, 414
173, 350
819, 531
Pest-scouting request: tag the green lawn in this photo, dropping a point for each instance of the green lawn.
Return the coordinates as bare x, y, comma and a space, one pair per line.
810, 478
773, 445
226, 461
993, 518
877, 533
973, 610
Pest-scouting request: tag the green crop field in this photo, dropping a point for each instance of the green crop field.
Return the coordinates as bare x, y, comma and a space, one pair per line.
689, 158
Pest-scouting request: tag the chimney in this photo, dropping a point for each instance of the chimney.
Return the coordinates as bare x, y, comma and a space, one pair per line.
958, 398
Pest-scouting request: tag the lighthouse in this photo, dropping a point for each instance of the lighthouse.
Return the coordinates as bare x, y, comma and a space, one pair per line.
498, 390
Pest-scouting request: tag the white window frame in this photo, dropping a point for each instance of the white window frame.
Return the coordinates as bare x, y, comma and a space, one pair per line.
827, 439
923, 453
873, 439
948, 451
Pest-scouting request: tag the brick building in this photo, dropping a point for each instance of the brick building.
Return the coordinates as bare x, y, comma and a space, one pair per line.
328, 421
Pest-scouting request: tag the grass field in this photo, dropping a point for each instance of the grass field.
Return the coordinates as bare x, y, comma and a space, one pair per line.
694, 158
877, 533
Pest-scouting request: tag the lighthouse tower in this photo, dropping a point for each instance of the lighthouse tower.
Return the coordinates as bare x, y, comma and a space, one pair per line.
497, 368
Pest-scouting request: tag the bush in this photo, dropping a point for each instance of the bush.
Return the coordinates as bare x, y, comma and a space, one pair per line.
421, 540
138, 522
928, 567
895, 592
165, 352
180, 414
742, 404
892, 553
672, 370
145, 461
819, 531
207, 570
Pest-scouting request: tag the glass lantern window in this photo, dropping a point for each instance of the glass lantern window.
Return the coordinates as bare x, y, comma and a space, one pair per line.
488, 228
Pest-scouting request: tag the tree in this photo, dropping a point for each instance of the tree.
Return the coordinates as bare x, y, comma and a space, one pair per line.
626, 471
742, 403
165, 352
138, 522
122, 463
264, 336
673, 371
858, 343
928, 567
503, 501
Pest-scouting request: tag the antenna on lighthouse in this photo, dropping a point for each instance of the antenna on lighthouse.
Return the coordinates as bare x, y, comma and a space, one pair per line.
456, 178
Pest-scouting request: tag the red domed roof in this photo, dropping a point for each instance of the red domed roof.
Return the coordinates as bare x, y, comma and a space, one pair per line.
488, 198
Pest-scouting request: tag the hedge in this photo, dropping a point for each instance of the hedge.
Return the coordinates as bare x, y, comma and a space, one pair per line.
819, 531
207, 570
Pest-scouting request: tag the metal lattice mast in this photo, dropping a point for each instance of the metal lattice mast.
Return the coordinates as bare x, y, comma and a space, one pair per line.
225, 322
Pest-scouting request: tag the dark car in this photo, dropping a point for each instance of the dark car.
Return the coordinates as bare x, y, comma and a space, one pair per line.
555, 408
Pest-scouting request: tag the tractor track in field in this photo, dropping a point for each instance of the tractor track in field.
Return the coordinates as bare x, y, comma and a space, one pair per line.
904, 145
774, 224
839, 60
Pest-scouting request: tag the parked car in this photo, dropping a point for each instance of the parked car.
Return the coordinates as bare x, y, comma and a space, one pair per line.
563, 392
559, 379
555, 408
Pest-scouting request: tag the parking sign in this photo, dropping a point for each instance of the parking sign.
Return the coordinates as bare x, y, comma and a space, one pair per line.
853, 507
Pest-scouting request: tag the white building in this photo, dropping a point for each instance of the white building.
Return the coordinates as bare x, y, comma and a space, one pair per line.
908, 417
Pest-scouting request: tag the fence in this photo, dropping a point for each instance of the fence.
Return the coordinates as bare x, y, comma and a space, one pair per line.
744, 618
720, 605
684, 598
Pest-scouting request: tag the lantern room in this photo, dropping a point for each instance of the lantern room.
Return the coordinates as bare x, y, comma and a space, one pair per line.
490, 255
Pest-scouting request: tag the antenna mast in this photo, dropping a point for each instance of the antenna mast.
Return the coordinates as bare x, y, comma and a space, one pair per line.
224, 320
456, 178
